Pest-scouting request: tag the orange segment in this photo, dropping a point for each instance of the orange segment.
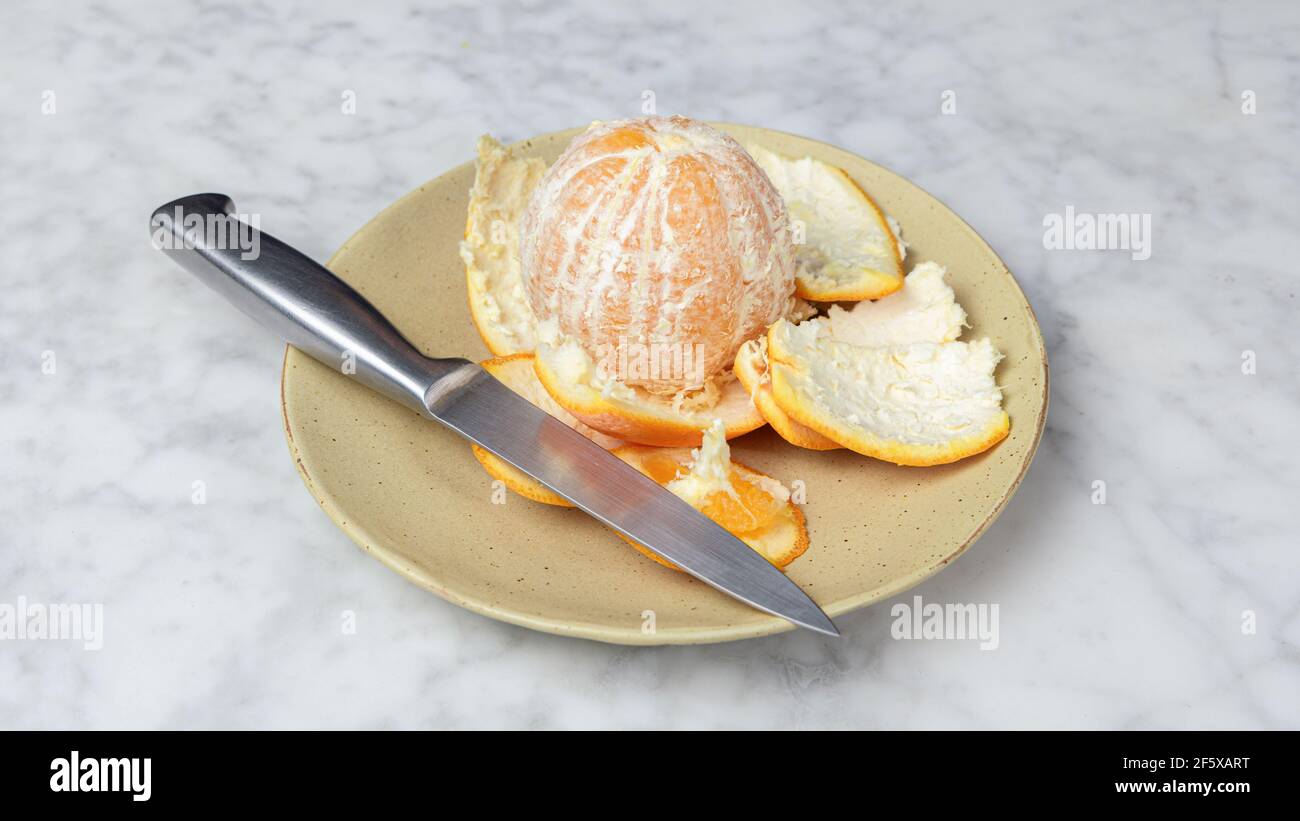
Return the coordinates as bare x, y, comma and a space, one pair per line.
661, 467
620, 139
773, 527
749, 510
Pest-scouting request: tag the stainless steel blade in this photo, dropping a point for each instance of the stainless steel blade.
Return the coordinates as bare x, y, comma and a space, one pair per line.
473, 403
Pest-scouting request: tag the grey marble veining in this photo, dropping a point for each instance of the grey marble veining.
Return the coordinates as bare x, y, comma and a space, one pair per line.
226, 614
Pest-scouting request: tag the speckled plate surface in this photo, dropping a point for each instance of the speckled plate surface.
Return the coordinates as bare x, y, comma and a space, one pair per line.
412, 495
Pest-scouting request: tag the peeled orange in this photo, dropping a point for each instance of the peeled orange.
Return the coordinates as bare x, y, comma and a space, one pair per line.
662, 235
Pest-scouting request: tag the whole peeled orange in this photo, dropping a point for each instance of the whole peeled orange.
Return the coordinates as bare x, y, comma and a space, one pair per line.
660, 246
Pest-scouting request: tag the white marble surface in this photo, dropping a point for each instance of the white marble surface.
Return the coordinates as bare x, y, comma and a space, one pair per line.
1127, 614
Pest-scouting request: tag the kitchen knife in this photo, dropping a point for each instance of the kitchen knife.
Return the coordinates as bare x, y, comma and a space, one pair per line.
321, 315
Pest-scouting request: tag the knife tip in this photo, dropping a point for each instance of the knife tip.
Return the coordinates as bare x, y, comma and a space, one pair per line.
817, 621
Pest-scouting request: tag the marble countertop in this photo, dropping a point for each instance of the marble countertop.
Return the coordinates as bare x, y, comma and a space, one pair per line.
1175, 604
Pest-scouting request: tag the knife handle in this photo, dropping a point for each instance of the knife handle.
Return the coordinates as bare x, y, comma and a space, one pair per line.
296, 297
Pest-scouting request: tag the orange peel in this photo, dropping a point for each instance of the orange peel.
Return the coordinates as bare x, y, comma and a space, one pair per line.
490, 250
920, 404
634, 414
751, 371
846, 247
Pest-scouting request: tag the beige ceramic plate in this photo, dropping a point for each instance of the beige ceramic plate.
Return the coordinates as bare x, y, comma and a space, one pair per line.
411, 494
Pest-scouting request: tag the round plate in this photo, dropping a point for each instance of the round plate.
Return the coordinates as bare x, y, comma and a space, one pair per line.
411, 494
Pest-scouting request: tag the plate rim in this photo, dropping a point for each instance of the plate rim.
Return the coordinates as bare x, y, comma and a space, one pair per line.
676, 635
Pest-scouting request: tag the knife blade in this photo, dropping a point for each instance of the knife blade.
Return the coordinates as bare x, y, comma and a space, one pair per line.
321, 315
